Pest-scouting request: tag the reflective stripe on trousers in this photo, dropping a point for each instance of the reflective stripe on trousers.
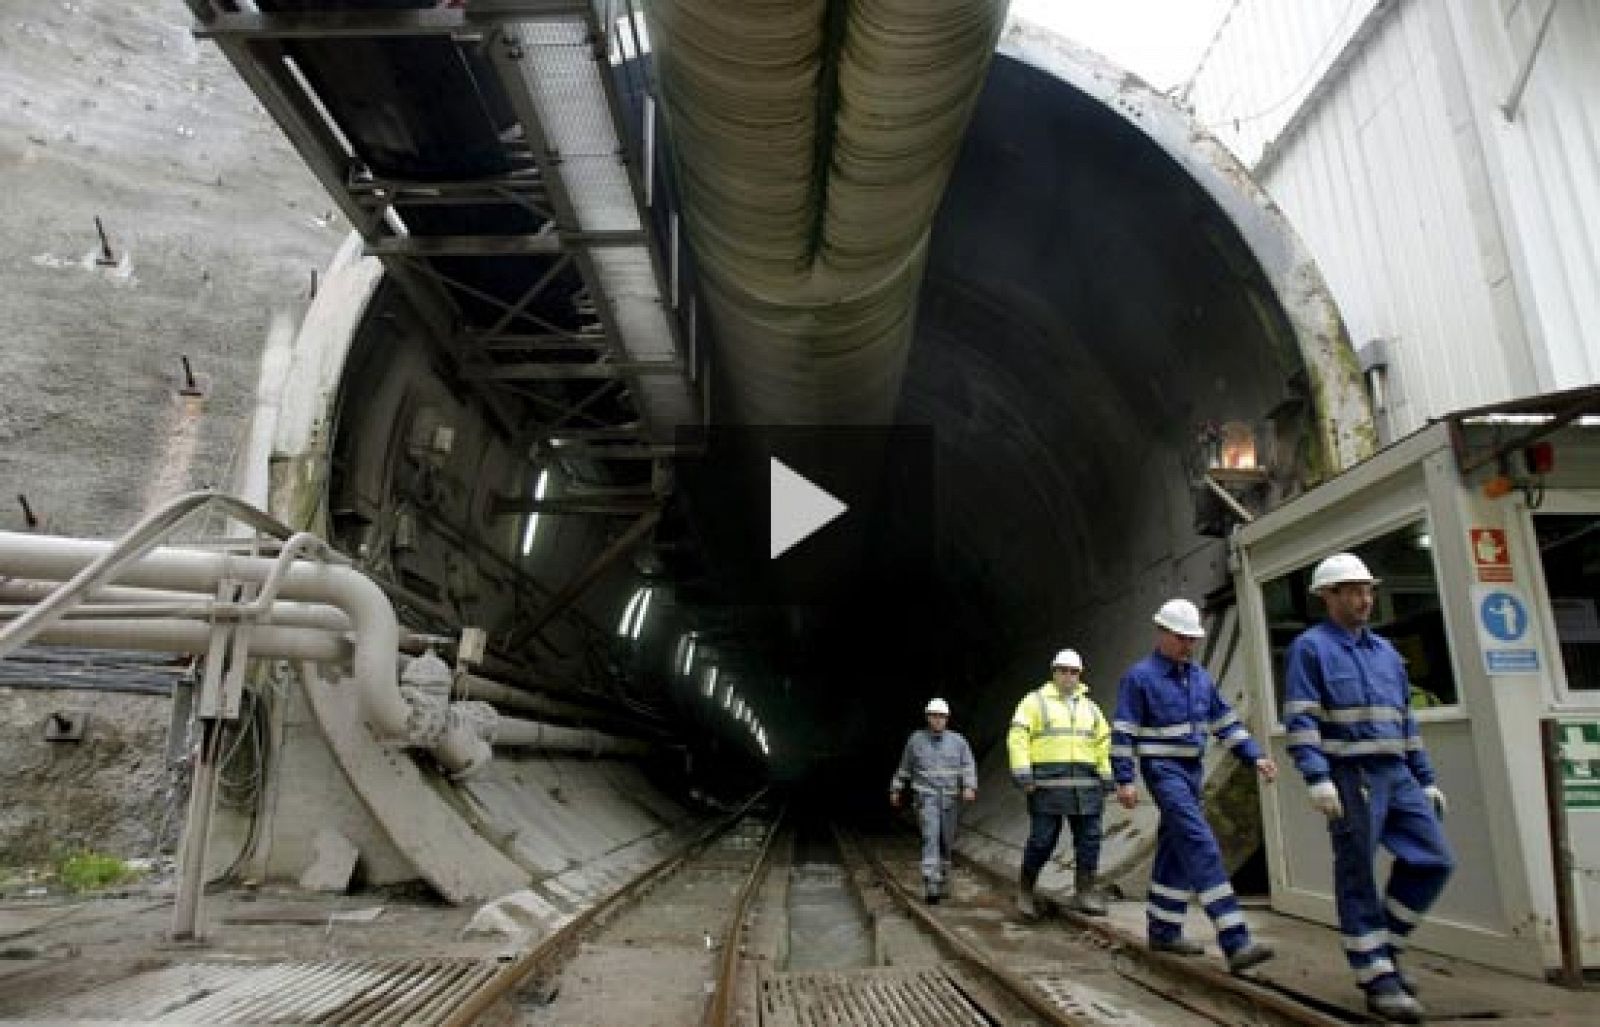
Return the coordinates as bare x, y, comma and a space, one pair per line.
1188, 860
1383, 805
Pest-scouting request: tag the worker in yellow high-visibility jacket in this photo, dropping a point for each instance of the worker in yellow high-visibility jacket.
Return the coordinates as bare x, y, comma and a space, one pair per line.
1060, 749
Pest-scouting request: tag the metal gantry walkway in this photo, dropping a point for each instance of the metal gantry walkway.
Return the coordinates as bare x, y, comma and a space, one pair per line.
501, 159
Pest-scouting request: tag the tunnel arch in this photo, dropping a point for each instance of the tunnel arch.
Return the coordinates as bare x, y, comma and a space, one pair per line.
1102, 277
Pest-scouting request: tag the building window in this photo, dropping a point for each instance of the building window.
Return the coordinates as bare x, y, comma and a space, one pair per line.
1406, 612
1569, 552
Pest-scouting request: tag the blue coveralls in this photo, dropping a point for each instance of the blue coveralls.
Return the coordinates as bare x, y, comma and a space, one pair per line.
1348, 713
1164, 711
936, 767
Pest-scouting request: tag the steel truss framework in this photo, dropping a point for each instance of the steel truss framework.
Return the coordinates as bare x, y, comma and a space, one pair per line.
547, 353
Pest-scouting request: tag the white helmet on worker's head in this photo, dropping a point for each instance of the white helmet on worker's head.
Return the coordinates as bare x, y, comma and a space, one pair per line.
1339, 569
1180, 617
1067, 658
937, 706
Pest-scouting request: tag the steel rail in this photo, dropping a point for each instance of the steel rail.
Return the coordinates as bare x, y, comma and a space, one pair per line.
1261, 998
719, 1010
972, 956
551, 947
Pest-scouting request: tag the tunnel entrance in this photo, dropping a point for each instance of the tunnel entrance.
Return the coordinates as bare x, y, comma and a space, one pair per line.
1088, 311
1104, 291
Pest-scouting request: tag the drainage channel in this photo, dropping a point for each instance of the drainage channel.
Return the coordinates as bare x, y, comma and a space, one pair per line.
828, 928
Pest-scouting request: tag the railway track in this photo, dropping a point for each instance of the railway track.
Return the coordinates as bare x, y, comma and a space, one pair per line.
433, 987
987, 968
761, 920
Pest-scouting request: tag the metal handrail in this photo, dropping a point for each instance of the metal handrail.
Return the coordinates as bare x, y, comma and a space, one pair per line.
143, 537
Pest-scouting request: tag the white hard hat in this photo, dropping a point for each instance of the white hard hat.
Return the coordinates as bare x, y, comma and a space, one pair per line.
1338, 569
1180, 617
937, 706
1068, 658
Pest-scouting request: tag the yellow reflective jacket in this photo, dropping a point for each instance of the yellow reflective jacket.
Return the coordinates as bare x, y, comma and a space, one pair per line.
1056, 736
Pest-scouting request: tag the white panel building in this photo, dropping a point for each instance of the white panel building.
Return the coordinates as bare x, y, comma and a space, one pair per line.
1441, 159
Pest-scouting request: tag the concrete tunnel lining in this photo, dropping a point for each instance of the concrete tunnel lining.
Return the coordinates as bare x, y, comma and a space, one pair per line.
1101, 277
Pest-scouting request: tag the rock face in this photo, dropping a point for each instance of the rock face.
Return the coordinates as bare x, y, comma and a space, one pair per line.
107, 792
110, 108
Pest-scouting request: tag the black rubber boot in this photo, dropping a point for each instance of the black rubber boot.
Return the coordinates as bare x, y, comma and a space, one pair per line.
1026, 906
1253, 954
1391, 1003
930, 891
1085, 899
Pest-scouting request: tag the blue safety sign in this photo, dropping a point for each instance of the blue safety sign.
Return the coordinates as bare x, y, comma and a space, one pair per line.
1505, 630
1503, 616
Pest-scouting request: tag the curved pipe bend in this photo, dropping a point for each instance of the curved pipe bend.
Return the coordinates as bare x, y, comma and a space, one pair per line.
372, 619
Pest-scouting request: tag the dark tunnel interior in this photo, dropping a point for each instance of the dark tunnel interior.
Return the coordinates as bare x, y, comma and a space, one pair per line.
1087, 308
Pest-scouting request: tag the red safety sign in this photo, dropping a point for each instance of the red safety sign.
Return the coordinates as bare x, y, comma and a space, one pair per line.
1490, 554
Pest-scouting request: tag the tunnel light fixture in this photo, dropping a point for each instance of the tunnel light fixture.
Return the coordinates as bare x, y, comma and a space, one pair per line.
1229, 446
540, 486
625, 626
687, 647
738, 709
727, 697
711, 682
644, 611
633, 615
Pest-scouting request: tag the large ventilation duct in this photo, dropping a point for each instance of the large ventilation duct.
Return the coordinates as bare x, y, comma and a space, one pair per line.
814, 141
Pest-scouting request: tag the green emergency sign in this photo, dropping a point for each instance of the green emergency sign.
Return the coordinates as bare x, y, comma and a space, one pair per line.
1580, 763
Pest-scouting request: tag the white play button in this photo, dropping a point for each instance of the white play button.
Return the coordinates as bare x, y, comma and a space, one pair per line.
799, 508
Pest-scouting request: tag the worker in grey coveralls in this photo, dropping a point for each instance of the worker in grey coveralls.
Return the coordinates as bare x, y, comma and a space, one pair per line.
937, 764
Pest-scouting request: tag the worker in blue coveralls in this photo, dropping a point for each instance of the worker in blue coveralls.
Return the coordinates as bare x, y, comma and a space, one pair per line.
1347, 710
937, 766
1166, 705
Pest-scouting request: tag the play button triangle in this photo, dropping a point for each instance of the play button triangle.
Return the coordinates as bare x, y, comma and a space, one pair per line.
799, 508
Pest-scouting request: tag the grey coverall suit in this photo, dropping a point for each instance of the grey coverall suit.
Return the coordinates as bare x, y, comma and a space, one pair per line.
937, 767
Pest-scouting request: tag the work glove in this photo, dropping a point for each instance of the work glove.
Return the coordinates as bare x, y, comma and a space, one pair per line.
1435, 796
1325, 797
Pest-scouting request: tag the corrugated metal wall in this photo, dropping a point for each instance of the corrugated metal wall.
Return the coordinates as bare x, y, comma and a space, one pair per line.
1374, 184
1471, 243
1545, 164
1266, 59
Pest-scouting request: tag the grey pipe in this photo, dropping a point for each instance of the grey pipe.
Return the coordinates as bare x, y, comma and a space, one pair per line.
305, 615
194, 637
109, 558
530, 734
377, 633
